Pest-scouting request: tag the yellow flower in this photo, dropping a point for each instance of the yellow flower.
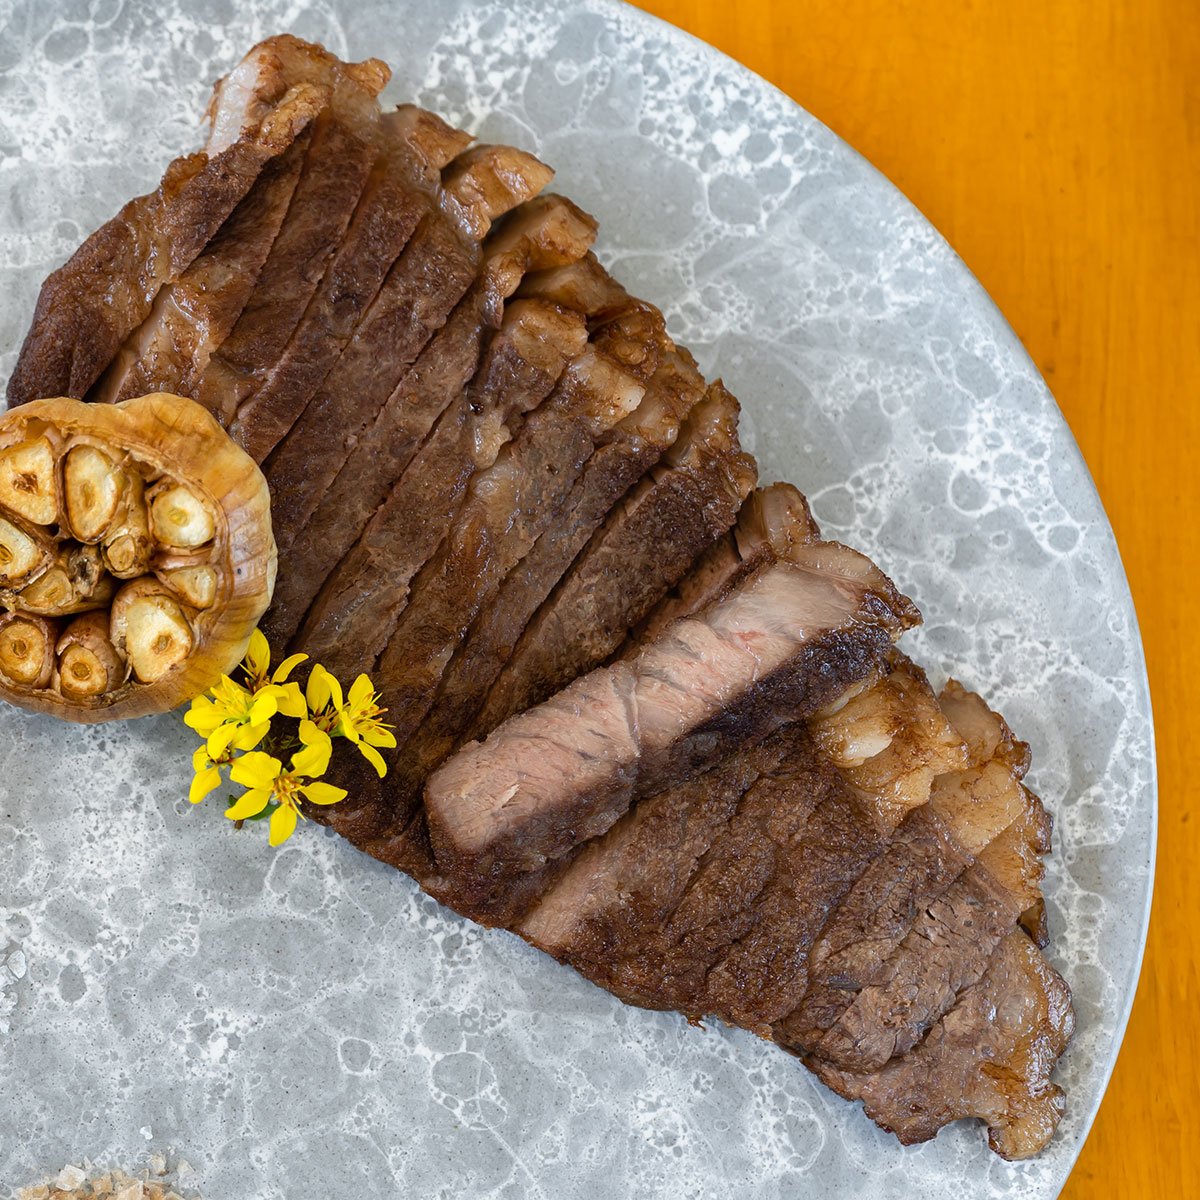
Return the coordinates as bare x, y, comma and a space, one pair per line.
324, 697
265, 776
257, 664
228, 717
359, 721
207, 775
237, 717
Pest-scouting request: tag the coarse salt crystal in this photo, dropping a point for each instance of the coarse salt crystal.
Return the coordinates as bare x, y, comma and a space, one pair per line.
70, 1177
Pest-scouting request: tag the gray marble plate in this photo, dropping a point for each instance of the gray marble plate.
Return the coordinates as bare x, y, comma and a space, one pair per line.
305, 1022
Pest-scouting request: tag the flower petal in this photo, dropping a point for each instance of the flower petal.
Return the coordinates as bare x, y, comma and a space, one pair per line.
379, 735
283, 824
318, 749
286, 667
323, 793
204, 716
250, 804
373, 757
322, 689
291, 701
264, 706
205, 781
256, 770
220, 740
362, 692
258, 655
248, 736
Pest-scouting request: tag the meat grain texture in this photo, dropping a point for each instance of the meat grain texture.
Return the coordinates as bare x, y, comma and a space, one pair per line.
647, 718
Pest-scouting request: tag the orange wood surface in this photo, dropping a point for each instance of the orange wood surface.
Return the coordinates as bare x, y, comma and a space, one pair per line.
1056, 144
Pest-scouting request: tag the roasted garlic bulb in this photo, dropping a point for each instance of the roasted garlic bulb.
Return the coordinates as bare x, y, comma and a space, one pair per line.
136, 555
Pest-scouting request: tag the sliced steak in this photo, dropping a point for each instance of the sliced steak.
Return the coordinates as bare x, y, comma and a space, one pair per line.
89, 306
789, 640
648, 908
343, 147
945, 951
507, 508
637, 442
194, 314
904, 895
415, 146
677, 928
438, 265
644, 547
350, 623
316, 530
423, 297
989, 1057
772, 521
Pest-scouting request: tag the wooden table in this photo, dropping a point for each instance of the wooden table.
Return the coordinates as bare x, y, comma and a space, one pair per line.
1057, 147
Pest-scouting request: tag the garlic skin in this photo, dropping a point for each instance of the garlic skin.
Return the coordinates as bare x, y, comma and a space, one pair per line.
147, 519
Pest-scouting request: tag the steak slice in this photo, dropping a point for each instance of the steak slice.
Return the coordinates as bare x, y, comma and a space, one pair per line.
644, 547
989, 1057
415, 146
771, 523
194, 314
356, 612
341, 153
921, 923
89, 306
636, 443
790, 639
507, 508
660, 920
317, 531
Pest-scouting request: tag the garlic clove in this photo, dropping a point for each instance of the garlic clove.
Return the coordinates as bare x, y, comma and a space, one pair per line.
128, 545
157, 636
27, 481
181, 519
26, 650
197, 586
88, 663
20, 554
50, 593
93, 486
75, 583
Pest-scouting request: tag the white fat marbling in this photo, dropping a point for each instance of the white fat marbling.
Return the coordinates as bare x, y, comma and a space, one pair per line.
305, 1022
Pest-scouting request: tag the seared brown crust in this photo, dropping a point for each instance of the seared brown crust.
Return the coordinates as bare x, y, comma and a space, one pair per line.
321, 510
636, 444
989, 1057
91, 304
645, 546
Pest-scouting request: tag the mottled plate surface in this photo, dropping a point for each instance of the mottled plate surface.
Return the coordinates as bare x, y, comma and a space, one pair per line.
305, 1022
